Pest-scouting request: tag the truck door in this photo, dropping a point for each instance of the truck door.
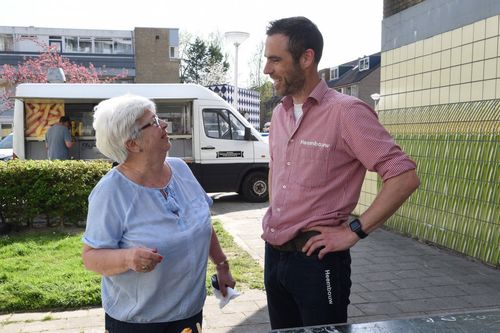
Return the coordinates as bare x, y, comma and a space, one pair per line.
225, 154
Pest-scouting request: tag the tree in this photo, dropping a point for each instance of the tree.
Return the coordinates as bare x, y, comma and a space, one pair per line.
256, 65
34, 70
203, 62
260, 82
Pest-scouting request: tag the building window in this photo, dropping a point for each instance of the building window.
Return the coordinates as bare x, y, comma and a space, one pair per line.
364, 64
174, 52
334, 73
6, 43
123, 46
173, 41
85, 45
55, 43
70, 44
103, 45
349, 90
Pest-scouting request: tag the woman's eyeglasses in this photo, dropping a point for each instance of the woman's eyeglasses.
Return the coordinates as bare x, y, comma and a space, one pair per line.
154, 122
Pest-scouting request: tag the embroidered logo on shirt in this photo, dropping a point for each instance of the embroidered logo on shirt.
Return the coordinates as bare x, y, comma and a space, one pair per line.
315, 144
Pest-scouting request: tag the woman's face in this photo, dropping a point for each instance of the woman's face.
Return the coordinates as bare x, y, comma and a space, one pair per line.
154, 133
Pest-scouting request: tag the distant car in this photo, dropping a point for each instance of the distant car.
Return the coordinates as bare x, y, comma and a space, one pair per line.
6, 151
266, 127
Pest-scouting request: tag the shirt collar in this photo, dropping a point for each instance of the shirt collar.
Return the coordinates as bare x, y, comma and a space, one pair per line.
314, 97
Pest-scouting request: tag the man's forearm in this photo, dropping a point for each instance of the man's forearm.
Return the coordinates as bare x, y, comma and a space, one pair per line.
393, 194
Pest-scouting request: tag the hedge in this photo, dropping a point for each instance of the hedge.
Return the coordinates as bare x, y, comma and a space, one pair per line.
54, 192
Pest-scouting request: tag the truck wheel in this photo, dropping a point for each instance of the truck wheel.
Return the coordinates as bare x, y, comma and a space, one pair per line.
254, 187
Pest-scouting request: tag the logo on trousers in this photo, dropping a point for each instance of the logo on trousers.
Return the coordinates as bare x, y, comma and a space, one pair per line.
328, 286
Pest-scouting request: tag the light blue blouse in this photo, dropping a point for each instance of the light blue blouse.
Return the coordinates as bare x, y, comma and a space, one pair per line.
123, 214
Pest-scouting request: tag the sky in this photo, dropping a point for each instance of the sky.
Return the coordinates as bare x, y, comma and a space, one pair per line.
351, 28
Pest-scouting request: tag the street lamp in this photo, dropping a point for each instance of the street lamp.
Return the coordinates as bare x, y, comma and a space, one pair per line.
236, 38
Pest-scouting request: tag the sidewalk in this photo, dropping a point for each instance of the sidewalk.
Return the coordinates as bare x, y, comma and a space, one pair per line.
393, 277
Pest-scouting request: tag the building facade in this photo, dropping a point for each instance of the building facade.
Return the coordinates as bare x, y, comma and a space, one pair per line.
440, 99
146, 55
359, 78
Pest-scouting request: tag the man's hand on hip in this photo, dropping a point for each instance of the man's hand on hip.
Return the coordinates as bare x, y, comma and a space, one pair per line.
330, 239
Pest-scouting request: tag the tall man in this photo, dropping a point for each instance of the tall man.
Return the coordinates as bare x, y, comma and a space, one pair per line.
58, 140
321, 142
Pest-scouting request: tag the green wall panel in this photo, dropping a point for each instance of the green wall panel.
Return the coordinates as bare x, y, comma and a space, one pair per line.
457, 151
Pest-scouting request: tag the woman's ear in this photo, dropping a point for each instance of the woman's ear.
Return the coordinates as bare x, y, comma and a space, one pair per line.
132, 146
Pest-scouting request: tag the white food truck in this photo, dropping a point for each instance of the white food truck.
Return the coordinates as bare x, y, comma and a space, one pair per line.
225, 153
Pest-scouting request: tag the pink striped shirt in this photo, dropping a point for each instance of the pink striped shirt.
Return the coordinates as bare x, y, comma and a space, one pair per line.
318, 164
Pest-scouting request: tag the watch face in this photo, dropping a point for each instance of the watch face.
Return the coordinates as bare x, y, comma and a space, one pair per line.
355, 225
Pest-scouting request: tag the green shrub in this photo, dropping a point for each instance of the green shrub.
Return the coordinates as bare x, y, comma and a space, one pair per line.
55, 191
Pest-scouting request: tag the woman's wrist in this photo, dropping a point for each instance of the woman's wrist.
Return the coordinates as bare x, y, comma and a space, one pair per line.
222, 263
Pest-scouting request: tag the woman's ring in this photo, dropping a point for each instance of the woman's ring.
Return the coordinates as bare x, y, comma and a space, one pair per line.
144, 267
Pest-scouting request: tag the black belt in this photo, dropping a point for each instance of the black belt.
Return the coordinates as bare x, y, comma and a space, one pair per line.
296, 244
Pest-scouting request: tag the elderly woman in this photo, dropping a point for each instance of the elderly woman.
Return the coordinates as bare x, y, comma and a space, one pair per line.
149, 232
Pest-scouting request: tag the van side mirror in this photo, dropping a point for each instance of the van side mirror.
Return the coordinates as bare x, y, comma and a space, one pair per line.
248, 134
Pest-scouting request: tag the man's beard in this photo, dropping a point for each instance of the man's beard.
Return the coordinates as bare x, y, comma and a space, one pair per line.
292, 83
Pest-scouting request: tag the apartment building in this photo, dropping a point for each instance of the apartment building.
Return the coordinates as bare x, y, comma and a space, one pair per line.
148, 55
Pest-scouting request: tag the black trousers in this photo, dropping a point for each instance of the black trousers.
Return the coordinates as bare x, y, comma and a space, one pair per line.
116, 326
305, 291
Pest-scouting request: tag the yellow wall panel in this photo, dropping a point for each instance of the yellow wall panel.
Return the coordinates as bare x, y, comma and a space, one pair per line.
489, 89
456, 37
479, 30
478, 71
466, 54
419, 48
492, 26
476, 93
465, 92
446, 40
467, 34
444, 77
435, 78
465, 73
455, 75
434, 96
455, 93
436, 43
426, 80
456, 56
491, 48
444, 95
478, 50
418, 82
411, 51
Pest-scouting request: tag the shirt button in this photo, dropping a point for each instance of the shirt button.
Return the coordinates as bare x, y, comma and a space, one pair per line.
272, 229
284, 186
291, 140
288, 163
278, 209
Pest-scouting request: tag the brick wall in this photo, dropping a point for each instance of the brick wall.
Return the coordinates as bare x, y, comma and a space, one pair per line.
152, 61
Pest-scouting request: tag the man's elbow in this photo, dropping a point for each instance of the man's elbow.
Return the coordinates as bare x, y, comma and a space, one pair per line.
412, 181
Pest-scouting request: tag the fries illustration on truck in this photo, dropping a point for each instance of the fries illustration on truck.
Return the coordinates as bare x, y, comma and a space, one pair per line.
41, 116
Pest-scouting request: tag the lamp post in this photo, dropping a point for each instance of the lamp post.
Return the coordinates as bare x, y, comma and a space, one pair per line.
236, 38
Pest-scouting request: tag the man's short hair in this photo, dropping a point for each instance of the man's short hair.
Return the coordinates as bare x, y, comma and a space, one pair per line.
302, 34
64, 119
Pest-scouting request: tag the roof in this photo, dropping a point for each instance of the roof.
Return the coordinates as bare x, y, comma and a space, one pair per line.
354, 75
94, 91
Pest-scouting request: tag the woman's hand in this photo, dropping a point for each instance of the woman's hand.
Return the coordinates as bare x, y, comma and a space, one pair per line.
142, 259
224, 276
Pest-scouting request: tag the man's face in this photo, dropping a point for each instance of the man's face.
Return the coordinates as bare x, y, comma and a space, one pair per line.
287, 75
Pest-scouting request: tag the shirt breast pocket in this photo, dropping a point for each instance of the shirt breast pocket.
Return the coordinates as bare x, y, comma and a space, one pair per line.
311, 166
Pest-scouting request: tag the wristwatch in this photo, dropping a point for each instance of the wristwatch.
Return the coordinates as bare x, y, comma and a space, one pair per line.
355, 226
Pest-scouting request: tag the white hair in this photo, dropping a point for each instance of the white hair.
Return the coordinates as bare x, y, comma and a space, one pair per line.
115, 123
